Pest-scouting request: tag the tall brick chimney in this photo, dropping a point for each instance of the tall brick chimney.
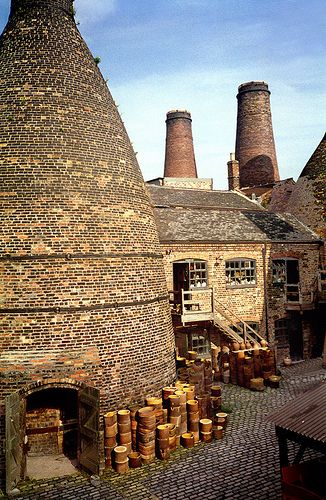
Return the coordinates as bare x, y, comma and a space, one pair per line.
179, 148
84, 297
255, 148
233, 173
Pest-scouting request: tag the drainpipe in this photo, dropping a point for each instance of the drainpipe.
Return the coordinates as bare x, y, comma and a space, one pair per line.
265, 290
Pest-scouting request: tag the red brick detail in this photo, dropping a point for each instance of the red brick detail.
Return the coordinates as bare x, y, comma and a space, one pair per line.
255, 148
179, 149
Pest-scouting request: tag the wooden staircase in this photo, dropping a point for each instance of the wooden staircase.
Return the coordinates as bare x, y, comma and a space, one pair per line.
232, 326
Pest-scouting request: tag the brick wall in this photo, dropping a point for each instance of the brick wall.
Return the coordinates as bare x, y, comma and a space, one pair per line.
49, 443
251, 303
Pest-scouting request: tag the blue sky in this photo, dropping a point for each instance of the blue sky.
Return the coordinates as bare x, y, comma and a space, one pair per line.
160, 55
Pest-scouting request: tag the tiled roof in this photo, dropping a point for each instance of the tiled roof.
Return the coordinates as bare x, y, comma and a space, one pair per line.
196, 224
173, 197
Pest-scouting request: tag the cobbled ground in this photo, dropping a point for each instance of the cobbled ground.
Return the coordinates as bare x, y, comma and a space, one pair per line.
243, 465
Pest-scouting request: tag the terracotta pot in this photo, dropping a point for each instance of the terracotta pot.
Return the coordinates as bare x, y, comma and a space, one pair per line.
111, 442
190, 393
174, 400
122, 428
175, 411
172, 442
172, 429
120, 454
287, 361
122, 467
110, 418
193, 426
216, 390
193, 417
187, 440
111, 431
218, 432
162, 444
134, 460
192, 406
192, 355
123, 416
206, 437
163, 431
147, 449
205, 425
182, 395
124, 438
235, 346
175, 421
146, 436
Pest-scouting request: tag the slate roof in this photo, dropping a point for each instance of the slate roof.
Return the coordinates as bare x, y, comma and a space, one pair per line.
190, 215
170, 197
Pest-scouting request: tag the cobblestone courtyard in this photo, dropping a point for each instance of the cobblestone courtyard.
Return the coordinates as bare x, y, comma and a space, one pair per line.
243, 465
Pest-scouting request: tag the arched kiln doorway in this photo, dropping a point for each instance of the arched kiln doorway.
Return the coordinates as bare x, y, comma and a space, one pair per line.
48, 420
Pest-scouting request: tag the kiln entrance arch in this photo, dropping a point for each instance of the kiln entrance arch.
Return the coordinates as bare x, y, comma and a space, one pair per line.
52, 418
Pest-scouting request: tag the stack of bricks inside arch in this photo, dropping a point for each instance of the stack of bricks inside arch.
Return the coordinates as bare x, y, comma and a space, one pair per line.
255, 148
83, 292
179, 147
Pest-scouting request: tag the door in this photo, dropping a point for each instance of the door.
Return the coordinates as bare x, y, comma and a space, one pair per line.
88, 419
15, 435
295, 337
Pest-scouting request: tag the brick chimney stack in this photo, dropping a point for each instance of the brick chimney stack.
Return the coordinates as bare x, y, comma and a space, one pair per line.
179, 149
255, 148
233, 173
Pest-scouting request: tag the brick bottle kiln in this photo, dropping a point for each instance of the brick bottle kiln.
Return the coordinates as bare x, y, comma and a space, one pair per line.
255, 148
84, 319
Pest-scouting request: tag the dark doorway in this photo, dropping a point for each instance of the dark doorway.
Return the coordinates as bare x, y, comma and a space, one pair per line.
295, 337
180, 279
52, 422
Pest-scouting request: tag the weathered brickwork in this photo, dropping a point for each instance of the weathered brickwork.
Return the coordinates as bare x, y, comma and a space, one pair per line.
257, 302
255, 148
82, 292
48, 442
179, 149
187, 183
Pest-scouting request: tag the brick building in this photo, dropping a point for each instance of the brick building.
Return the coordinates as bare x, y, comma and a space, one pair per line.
230, 262
77, 325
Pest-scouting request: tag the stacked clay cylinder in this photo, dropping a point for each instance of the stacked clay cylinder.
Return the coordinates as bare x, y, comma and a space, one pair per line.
110, 436
157, 405
268, 363
121, 461
196, 375
174, 412
163, 441
221, 419
208, 375
146, 433
248, 371
183, 409
134, 424
215, 399
206, 430
193, 418
124, 429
